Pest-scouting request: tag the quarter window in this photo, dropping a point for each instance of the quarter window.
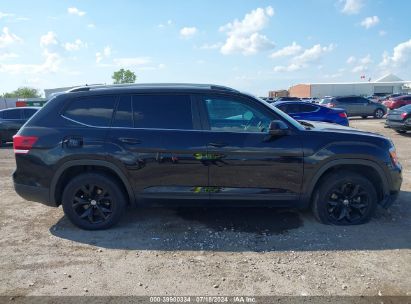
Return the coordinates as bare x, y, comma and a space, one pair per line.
162, 112
235, 116
94, 111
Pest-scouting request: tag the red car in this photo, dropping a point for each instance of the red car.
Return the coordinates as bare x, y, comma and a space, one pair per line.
397, 102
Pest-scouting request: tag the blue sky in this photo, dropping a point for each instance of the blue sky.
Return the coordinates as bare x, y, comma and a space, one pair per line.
254, 46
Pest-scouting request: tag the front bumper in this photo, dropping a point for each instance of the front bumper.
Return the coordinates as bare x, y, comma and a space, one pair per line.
34, 194
389, 199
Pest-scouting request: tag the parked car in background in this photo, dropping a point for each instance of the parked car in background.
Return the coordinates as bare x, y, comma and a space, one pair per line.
356, 106
12, 119
301, 110
400, 119
386, 97
288, 98
397, 102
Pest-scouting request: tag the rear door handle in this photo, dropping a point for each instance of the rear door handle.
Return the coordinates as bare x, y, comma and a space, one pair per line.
130, 141
217, 145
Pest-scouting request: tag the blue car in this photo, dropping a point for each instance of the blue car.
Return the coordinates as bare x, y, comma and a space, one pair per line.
301, 110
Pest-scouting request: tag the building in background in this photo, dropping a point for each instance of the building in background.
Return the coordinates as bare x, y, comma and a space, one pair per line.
13, 102
388, 84
278, 93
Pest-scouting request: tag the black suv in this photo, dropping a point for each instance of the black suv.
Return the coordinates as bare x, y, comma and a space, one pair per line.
95, 150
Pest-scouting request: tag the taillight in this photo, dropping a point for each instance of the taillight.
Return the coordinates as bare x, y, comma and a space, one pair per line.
403, 115
342, 114
23, 144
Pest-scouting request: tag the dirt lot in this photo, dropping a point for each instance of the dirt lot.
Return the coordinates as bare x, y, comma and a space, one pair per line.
205, 252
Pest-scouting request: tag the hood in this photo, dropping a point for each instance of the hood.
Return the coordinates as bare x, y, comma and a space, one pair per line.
335, 128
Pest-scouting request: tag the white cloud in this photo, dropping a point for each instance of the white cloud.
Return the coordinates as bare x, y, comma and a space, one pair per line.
131, 61
382, 33
213, 46
244, 36
363, 64
163, 25
5, 15
303, 60
7, 56
51, 64
289, 68
351, 59
188, 32
370, 22
352, 6
401, 56
7, 38
48, 39
314, 53
75, 11
290, 50
91, 25
75, 46
104, 54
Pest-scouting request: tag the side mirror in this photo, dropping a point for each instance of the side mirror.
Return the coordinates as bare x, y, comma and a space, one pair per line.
278, 128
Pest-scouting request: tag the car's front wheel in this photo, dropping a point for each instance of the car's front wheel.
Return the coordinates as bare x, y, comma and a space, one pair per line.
344, 198
379, 113
401, 131
93, 201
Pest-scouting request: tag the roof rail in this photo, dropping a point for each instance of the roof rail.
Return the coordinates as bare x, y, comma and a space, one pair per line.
151, 85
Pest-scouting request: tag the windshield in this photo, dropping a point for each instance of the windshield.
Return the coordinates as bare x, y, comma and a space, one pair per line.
325, 100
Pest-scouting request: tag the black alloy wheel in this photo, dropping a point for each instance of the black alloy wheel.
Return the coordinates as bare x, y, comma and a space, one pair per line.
93, 201
344, 198
348, 202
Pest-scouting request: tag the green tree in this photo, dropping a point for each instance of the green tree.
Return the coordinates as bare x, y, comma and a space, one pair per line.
23, 92
124, 76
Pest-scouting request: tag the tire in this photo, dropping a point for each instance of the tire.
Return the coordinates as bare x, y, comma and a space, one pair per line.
401, 131
364, 116
353, 205
379, 113
93, 201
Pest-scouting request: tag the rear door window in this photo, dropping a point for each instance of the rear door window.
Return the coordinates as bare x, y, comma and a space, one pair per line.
307, 108
158, 111
12, 114
93, 111
124, 113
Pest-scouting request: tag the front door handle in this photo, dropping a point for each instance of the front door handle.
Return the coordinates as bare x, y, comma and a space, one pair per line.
217, 145
130, 141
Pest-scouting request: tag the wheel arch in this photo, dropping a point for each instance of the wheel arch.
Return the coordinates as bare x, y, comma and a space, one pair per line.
367, 168
74, 167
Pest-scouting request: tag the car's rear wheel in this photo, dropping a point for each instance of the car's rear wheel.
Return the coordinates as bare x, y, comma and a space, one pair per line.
344, 198
401, 131
93, 201
379, 113
364, 116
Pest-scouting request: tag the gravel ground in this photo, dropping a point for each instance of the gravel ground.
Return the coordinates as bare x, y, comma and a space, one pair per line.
205, 252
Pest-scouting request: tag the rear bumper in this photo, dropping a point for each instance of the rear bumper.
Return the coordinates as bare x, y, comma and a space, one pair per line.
400, 125
34, 194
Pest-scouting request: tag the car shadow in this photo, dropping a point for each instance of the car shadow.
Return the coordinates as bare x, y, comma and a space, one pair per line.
244, 229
